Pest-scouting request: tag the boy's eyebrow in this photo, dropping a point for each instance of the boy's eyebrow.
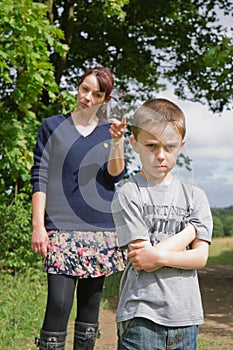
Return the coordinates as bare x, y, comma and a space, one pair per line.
152, 141
171, 142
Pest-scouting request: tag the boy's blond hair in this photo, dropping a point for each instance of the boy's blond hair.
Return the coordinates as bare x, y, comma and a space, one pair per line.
158, 112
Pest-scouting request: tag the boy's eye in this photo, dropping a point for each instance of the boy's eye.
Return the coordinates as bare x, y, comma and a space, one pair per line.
154, 147
151, 146
171, 147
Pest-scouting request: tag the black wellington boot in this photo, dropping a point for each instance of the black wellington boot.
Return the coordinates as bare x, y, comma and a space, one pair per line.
51, 340
85, 335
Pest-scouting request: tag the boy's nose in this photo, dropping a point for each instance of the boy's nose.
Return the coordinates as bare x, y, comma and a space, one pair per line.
161, 153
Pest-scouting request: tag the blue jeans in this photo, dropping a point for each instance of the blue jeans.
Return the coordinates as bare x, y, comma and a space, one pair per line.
143, 334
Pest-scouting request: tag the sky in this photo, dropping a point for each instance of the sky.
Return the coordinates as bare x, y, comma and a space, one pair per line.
209, 143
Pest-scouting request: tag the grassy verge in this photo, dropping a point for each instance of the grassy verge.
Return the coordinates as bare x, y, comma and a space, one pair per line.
221, 251
22, 303
22, 307
23, 299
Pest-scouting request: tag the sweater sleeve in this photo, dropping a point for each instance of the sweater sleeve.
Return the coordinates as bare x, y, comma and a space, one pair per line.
39, 170
113, 179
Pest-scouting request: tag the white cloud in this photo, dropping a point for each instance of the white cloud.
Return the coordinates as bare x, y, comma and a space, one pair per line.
218, 188
210, 136
223, 153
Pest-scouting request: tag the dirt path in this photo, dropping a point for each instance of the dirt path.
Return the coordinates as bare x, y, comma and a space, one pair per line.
216, 283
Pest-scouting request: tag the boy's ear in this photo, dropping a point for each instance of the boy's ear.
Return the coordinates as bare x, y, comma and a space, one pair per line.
182, 145
134, 143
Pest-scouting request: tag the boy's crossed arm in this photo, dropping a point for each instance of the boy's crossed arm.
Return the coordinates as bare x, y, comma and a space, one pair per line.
170, 252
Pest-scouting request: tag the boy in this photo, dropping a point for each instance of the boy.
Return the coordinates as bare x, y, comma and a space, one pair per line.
158, 217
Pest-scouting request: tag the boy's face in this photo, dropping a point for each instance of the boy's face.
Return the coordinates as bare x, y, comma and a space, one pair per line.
158, 151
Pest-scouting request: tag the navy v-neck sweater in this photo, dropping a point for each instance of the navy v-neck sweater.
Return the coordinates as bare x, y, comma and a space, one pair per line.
72, 171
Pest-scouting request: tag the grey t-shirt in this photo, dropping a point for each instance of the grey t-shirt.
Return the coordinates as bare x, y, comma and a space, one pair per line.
143, 210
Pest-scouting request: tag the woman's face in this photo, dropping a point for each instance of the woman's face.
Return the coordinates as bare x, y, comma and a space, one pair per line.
89, 93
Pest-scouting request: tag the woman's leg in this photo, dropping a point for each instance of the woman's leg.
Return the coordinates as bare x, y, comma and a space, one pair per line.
59, 303
89, 293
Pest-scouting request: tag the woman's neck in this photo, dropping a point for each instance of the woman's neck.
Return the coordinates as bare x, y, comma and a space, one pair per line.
84, 117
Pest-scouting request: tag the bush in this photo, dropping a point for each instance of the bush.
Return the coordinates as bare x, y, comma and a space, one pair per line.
228, 225
15, 235
218, 229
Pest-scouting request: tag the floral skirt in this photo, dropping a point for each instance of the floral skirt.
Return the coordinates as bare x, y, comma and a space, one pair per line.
84, 254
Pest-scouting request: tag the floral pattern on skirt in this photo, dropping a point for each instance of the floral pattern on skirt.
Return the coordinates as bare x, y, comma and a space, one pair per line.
84, 254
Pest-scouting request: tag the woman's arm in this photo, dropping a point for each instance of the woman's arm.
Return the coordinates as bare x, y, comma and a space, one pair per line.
116, 161
39, 233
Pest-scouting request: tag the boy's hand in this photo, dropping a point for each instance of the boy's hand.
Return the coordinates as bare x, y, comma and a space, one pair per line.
143, 256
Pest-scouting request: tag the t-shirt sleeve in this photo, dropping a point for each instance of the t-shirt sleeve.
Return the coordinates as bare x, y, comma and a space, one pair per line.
128, 217
201, 216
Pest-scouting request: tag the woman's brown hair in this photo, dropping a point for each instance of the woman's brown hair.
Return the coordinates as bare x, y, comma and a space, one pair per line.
104, 77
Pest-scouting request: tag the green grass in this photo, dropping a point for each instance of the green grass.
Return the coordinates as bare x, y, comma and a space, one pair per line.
111, 291
22, 307
23, 301
221, 251
203, 344
22, 304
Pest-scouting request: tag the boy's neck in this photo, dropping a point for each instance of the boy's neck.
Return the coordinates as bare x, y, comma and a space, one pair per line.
163, 180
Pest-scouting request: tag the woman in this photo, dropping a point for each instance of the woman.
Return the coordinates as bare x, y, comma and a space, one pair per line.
78, 158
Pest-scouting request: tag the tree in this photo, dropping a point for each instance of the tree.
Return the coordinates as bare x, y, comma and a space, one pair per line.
45, 44
25, 35
141, 41
228, 225
225, 216
26, 41
218, 230
181, 41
